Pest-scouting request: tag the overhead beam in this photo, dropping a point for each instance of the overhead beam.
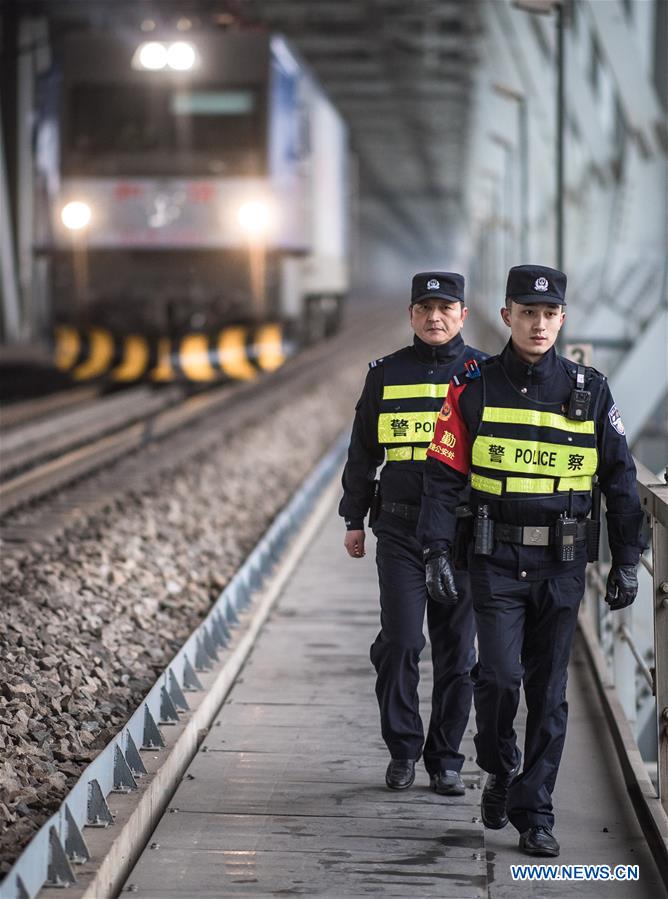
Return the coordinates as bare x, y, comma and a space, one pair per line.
642, 108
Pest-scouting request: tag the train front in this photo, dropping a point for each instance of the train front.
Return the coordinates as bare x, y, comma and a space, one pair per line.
179, 184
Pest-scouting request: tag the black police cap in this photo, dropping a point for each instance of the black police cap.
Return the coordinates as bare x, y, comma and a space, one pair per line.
437, 285
536, 284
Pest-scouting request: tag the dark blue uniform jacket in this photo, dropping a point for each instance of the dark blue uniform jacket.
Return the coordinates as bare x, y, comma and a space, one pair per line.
401, 482
549, 381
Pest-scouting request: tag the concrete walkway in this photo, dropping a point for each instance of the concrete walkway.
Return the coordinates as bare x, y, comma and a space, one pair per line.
287, 795
596, 823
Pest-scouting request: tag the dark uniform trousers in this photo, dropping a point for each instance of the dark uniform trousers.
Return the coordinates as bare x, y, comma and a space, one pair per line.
529, 464
396, 651
525, 631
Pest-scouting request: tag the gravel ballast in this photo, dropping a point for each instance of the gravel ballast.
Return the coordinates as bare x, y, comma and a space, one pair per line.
90, 618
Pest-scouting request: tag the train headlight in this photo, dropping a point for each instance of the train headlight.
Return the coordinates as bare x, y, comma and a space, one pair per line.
152, 55
75, 215
256, 218
181, 56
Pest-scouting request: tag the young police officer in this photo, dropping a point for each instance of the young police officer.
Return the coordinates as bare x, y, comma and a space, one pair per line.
533, 429
394, 421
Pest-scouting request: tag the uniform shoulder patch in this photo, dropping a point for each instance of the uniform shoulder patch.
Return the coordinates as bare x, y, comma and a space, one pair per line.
377, 362
615, 418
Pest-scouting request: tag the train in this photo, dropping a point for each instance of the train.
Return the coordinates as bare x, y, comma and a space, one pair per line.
186, 183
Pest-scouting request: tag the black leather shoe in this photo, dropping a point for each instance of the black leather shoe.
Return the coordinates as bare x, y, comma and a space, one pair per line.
447, 783
539, 841
400, 774
494, 795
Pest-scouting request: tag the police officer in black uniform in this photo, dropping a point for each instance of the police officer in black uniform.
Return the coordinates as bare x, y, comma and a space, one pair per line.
394, 421
534, 431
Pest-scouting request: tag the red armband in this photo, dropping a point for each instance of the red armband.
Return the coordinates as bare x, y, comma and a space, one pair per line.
451, 443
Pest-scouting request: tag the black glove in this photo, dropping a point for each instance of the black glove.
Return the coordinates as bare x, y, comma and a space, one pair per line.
622, 586
440, 571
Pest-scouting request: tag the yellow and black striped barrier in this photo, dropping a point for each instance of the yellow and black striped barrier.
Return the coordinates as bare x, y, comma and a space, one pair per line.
237, 352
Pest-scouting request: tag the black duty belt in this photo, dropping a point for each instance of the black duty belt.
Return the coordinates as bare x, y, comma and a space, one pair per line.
410, 513
533, 536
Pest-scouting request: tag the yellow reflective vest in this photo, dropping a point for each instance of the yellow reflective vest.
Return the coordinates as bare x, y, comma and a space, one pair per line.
530, 448
410, 404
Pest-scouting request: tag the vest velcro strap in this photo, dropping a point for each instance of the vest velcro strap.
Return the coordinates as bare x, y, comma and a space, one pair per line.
529, 485
486, 485
582, 484
407, 454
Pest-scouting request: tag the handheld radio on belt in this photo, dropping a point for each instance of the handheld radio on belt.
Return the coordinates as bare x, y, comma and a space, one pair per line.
565, 533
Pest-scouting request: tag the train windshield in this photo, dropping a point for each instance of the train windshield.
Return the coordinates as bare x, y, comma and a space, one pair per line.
171, 129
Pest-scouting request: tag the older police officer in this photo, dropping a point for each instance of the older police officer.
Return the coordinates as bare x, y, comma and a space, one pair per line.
533, 430
394, 420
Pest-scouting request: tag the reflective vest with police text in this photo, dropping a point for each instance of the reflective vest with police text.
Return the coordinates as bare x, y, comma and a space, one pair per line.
410, 404
529, 448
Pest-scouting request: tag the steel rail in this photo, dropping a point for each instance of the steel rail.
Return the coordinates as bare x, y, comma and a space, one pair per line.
52, 856
21, 412
58, 472
38, 481
39, 442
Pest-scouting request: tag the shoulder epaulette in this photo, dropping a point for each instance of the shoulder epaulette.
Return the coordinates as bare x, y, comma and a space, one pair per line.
589, 371
386, 358
480, 355
593, 374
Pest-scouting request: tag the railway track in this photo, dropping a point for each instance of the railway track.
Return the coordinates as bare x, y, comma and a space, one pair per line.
118, 593
44, 454
46, 457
